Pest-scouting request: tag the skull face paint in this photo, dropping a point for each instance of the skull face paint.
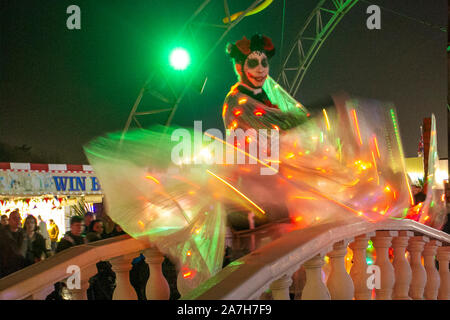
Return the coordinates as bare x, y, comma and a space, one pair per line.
256, 69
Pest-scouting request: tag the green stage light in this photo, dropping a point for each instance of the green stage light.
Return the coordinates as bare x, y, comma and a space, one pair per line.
179, 59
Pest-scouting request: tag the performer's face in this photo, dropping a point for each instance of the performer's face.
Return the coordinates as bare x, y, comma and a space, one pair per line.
256, 69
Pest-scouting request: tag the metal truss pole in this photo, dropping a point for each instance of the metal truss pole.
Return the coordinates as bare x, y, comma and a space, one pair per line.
320, 23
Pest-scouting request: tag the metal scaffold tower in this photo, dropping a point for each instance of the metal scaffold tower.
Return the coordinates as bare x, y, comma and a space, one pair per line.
319, 25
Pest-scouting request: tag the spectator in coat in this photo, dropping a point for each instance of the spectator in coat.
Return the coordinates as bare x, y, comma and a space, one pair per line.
11, 242
116, 231
96, 231
60, 293
43, 231
139, 275
73, 237
88, 218
103, 284
3, 221
54, 234
34, 248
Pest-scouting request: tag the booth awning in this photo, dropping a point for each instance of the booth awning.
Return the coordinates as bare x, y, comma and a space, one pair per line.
35, 179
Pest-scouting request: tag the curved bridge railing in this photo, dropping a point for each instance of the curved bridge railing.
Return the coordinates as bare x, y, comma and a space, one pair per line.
275, 266
293, 262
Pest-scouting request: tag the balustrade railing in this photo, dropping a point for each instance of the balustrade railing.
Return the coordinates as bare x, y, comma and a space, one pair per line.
273, 266
273, 269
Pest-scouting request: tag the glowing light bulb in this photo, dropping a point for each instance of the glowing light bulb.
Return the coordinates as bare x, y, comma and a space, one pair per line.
179, 59
242, 100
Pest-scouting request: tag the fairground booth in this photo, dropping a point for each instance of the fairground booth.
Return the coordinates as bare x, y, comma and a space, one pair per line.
49, 190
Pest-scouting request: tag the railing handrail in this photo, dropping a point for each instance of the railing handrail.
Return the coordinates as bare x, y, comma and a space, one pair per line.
245, 278
32, 279
249, 276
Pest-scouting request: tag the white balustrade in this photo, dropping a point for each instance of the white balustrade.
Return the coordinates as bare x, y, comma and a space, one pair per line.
42, 294
358, 272
299, 280
280, 288
314, 288
443, 257
122, 266
248, 277
433, 279
382, 242
403, 272
339, 284
85, 274
419, 275
157, 286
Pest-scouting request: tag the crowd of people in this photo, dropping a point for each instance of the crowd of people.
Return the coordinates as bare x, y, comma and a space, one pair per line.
24, 242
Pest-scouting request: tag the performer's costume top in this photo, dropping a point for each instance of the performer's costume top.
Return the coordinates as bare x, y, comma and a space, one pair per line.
247, 105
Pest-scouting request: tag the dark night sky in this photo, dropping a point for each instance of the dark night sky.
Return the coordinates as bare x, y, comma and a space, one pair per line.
60, 88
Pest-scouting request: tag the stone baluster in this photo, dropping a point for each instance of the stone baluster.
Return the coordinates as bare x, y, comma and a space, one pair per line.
314, 288
433, 279
299, 280
403, 273
358, 272
122, 266
419, 275
382, 242
340, 284
157, 286
280, 288
85, 274
443, 257
41, 294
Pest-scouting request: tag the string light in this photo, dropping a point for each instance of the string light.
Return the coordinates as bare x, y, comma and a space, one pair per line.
224, 110
397, 135
152, 178
240, 193
355, 119
242, 151
259, 112
327, 121
376, 145
242, 100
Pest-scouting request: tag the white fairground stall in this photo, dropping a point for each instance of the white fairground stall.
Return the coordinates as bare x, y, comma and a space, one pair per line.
48, 190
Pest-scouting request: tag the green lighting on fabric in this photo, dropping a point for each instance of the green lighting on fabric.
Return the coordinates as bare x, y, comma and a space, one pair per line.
405, 213
394, 122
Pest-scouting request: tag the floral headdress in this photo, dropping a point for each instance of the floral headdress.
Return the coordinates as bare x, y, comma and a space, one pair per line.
242, 48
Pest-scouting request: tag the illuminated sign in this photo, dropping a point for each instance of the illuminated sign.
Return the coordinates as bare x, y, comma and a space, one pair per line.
27, 183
